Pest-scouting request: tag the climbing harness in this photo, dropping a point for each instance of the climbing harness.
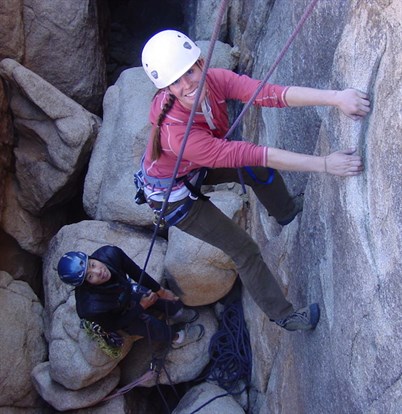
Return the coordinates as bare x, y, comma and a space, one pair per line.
179, 213
158, 186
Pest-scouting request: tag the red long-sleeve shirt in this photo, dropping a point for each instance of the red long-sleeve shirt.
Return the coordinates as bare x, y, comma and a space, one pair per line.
206, 147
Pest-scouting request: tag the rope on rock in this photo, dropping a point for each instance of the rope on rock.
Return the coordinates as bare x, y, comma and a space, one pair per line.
230, 351
230, 354
296, 31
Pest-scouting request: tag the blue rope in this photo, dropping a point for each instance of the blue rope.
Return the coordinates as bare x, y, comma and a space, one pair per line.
230, 354
230, 350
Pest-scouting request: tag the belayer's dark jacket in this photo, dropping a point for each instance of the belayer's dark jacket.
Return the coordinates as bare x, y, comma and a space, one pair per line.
114, 305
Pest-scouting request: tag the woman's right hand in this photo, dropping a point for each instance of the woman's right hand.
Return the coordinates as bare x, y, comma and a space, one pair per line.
343, 163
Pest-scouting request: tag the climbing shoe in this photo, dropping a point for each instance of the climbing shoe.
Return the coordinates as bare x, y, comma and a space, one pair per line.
184, 315
298, 202
188, 335
303, 319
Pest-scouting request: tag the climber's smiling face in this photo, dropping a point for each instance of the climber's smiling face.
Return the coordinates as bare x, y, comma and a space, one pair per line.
97, 272
185, 88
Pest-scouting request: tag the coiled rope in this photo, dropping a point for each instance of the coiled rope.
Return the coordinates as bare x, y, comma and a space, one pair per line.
230, 350
230, 354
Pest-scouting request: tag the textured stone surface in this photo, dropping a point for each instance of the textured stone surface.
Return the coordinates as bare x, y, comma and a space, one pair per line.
22, 344
343, 250
201, 394
63, 44
63, 399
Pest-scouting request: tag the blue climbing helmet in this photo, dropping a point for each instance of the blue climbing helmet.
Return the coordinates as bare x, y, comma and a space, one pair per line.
72, 268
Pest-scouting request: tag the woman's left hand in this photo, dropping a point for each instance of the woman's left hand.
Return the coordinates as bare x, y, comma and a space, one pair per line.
353, 103
343, 163
166, 294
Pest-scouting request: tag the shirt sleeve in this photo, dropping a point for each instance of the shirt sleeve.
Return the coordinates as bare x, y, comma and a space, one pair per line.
204, 150
242, 87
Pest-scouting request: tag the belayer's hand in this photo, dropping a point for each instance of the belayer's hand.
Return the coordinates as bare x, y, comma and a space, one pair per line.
149, 299
353, 103
343, 163
166, 294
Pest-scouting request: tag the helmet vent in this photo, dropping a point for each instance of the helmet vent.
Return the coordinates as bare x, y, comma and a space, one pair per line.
187, 45
154, 74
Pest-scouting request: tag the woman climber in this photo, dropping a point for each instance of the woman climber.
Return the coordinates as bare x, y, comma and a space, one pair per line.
172, 62
106, 293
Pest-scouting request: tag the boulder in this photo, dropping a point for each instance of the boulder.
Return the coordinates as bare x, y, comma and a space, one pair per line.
63, 399
109, 189
22, 345
65, 46
208, 394
55, 138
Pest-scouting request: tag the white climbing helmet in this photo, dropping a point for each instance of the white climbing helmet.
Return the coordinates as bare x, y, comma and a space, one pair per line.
167, 56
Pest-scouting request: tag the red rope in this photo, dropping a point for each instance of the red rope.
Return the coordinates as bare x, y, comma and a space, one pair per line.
147, 376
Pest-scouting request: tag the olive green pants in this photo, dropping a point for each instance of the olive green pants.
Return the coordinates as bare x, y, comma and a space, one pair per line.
207, 223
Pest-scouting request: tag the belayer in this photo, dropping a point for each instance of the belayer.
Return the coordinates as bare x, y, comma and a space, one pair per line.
107, 293
173, 63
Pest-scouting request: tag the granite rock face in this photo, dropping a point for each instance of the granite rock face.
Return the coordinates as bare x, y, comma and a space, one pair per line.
22, 329
343, 251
